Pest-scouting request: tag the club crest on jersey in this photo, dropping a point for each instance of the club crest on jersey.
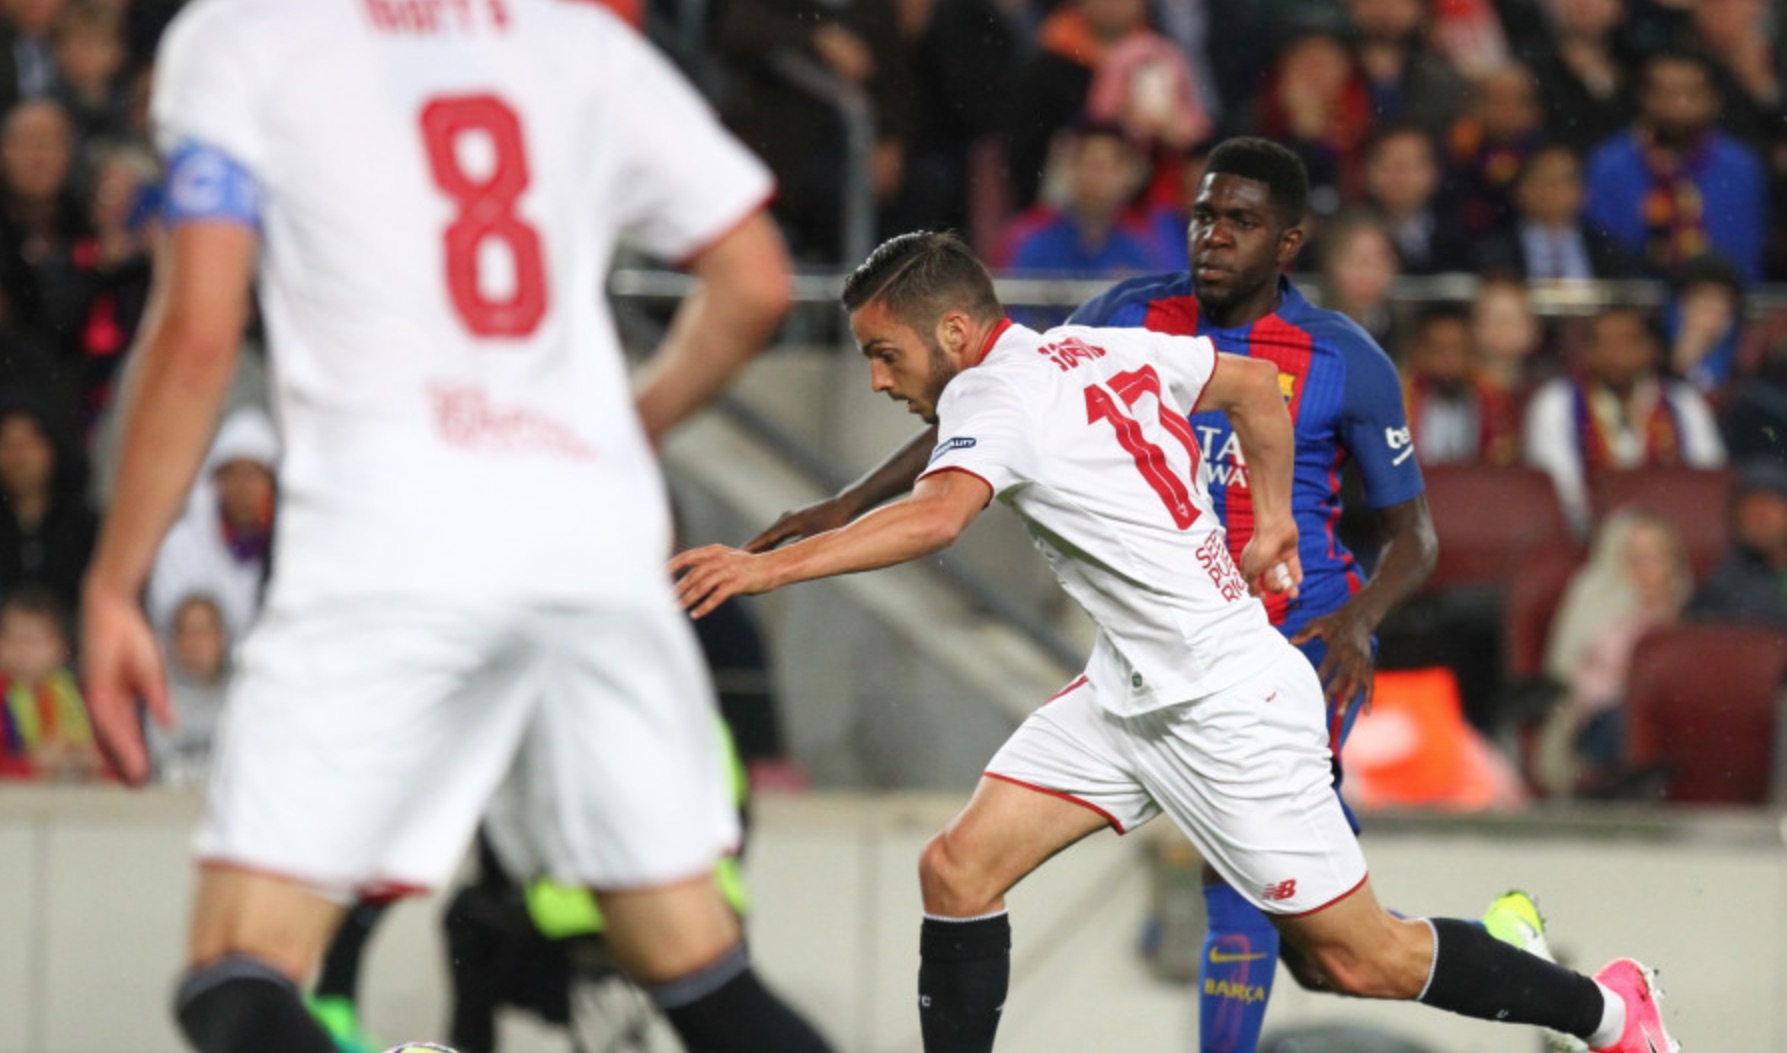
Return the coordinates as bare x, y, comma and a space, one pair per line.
1287, 385
960, 442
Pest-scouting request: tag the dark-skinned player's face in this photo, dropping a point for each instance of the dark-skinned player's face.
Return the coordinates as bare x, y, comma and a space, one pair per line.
1237, 241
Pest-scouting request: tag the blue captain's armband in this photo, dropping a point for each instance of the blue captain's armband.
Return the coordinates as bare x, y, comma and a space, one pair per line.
204, 184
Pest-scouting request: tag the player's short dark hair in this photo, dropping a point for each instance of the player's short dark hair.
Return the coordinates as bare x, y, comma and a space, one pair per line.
921, 276
1264, 161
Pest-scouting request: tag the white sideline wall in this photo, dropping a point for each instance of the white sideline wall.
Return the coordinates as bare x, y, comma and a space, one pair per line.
94, 886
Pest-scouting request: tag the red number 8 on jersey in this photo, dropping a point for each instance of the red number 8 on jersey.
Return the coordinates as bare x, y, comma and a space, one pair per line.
486, 213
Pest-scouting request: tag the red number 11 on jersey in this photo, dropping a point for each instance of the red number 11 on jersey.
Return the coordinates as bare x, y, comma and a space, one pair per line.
1150, 459
486, 214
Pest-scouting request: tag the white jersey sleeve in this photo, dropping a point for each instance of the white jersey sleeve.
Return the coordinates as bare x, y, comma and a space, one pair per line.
206, 89
688, 182
1187, 363
983, 428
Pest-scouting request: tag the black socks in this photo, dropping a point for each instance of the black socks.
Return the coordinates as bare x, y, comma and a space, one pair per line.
240, 1004
964, 970
1477, 975
724, 1008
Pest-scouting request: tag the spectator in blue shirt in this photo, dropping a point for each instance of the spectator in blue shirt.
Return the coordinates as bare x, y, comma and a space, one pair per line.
1672, 187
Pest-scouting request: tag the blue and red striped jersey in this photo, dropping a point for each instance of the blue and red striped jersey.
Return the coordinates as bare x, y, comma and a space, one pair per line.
1345, 401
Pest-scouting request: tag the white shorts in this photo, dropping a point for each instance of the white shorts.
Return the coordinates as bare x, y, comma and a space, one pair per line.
1244, 773
362, 742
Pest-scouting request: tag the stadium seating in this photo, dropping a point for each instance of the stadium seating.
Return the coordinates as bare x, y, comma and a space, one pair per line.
1535, 589
1488, 519
1704, 703
1692, 500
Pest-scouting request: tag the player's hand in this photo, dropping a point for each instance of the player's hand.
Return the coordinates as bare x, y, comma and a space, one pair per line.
816, 518
1270, 563
709, 576
1348, 670
121, 669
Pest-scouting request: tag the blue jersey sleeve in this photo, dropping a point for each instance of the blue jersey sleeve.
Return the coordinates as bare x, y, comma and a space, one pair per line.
205, 184
1124, 305
1374, 426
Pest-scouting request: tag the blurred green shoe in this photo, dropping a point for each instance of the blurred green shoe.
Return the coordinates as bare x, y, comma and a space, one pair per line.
342, 1021
1514, 919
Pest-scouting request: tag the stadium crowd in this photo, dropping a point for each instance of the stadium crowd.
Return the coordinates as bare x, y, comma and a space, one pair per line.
1530, 143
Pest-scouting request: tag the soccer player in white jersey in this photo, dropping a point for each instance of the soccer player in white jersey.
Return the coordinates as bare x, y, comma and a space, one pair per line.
469, 554
1191, 704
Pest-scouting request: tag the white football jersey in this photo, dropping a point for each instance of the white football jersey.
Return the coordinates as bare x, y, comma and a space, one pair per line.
1082, 432
442, 185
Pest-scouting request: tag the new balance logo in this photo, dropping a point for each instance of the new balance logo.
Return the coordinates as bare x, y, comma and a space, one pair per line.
1282, 891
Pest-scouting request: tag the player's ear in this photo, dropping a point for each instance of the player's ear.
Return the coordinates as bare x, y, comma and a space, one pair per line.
952, 331
1289, 244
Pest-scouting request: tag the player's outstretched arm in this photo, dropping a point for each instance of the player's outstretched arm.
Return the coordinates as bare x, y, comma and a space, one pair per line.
887, 480
744, 293
1246, 391
1406, 558
940, 508
179, 373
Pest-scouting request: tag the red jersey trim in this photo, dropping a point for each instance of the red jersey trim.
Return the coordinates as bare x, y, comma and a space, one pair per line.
1069, 798
986, 346
1068, 690
376, 890
1330, 903
688, 258
927, 473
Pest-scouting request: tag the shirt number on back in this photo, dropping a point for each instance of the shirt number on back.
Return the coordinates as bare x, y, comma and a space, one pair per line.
1150, 459
485, 194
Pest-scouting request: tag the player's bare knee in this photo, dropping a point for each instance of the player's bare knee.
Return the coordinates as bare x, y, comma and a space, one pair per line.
952, 882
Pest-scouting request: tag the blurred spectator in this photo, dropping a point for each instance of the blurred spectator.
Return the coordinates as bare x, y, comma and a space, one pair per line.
1358, 266
1468, 33
198, 667
1054, 82
112, 265
27, 57
1408, 81
46, 528
1750, 583
1636, 579
1454, 417
1754, 415
1171, 222
963, 66
44, 731
1145, 88
1487, 147
1548, 238
1315, 103
797, 131
40, 215
1744, 40
89, 48
1618, 411
221, 546
1672, 187
1583, 66
1092, 233
1506, 339
1402, 185
1704, 322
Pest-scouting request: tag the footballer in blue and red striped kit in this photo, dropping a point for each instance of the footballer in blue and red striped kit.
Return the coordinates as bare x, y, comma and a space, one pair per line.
1346, 404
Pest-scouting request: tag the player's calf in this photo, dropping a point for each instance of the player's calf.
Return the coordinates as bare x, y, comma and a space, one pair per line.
241, 1004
